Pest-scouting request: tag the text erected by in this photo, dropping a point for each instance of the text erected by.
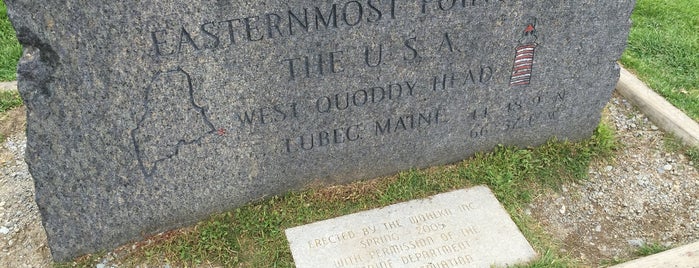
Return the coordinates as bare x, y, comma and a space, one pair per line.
464, 228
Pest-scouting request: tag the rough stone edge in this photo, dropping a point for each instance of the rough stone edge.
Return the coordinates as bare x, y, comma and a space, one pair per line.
659, 110
686, 256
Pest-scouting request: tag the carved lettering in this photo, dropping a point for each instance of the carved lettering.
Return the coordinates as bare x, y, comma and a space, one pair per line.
186, 38
331, 239
215, 40
351, 261
317, 65
460, 261
372, 57
388, 263
273, 25
379, 240
431, 227
392, 225
432, 215
409, 122
267, 115
348, 10
231, 30
412, 51
393, 249
252, 31
157, 41
453, 5
321, 19
446, 43
463, 79
270, 25
363, 97
435, 252
323, 138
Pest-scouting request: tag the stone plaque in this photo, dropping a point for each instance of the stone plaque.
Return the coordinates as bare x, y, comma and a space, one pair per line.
147, 115
465, 228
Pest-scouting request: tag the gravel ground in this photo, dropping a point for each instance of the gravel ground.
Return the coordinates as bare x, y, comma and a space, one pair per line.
644, 194
22, 238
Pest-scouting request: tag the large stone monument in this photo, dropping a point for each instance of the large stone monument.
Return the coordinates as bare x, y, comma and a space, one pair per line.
148, 115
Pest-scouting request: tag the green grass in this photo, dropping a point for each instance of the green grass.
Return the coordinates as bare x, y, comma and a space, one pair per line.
650, 249
663, 50
253, 235
9, 100
642, 251
10, 49
674, 144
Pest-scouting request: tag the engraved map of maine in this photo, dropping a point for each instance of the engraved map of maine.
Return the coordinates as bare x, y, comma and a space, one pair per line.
172, 119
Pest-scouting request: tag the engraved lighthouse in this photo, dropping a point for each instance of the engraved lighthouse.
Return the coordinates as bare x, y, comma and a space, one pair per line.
524, 56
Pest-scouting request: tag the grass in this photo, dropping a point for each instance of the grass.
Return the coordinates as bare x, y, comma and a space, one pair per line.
9, 100
650, 249
663, 50
253, 235
642, 251
10, 49
674, 144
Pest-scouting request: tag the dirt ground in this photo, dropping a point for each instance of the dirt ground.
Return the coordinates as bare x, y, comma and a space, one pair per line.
22, 238
643, 194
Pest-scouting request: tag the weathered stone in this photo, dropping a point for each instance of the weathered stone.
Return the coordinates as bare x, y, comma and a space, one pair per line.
464, 228
147, 115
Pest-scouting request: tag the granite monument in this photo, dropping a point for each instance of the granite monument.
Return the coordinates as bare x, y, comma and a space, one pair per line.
148, 115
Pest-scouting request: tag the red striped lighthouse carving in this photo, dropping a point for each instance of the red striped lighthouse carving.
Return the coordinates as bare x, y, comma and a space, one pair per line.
524, 56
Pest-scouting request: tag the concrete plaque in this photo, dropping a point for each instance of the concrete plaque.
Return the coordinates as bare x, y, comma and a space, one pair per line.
143, 115
464, 228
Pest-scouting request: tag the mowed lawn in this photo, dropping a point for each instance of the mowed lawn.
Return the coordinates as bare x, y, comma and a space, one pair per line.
663, 50
10, 49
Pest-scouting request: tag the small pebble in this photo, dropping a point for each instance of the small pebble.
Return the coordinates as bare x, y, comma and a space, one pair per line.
636, 242
4, 230
667, 167
608, 168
